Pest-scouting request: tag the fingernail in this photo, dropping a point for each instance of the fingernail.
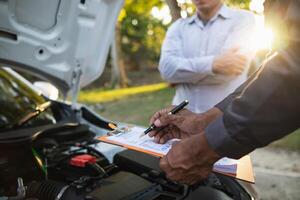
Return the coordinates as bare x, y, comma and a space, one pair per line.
157, 122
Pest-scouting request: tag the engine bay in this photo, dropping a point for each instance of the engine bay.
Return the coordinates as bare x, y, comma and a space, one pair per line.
62, 163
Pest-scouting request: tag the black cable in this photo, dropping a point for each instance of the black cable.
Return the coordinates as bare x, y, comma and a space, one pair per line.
98, 169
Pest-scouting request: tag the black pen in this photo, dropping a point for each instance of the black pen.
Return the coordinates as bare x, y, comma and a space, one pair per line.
173, 111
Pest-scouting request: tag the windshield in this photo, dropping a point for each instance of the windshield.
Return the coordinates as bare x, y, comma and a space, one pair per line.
18, 100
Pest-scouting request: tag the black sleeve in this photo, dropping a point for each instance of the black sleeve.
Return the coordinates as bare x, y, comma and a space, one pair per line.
265, 108
224, 103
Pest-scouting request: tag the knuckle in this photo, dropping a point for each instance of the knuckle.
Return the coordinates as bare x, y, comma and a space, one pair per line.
163, 164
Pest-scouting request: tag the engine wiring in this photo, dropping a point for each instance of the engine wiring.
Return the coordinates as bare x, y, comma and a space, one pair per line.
40, 162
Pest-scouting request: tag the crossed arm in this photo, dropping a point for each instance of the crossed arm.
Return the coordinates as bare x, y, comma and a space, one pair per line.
176, 68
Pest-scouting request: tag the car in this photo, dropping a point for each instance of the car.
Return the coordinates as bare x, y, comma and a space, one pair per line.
48, 147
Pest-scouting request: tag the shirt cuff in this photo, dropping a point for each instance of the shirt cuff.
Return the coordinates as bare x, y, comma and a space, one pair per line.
223, 104
219, 139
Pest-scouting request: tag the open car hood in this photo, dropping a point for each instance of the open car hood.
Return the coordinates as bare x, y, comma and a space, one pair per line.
63, 41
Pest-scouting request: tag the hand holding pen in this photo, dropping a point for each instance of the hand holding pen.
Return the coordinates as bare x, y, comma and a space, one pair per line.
175, 110
182, 125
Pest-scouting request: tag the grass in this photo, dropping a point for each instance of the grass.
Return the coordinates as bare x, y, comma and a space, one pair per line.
291, 141
100, 95
139, 108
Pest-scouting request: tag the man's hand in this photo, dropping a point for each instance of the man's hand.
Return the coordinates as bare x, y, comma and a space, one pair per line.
190, 160
181, 125
230, 63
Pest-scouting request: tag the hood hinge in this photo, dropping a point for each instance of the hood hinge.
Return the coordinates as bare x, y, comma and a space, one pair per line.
75, 87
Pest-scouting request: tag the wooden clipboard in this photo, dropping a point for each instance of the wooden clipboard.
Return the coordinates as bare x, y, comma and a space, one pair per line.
244, 168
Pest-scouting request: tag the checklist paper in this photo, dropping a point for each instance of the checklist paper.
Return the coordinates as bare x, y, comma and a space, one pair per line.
129, 137
226, 165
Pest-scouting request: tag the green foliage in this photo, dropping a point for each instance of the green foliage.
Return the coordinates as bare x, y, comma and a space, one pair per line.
244, 4
142, 34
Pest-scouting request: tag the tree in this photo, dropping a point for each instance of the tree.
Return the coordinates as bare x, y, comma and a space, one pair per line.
174, 9
141, 34
118, 74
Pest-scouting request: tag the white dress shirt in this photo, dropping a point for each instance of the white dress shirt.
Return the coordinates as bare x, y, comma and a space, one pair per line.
189, 50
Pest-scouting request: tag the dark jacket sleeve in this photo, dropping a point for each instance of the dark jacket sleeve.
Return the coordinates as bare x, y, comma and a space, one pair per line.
265, 108
223, 104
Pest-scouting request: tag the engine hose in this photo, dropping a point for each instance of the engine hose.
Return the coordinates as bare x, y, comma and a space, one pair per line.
51, 190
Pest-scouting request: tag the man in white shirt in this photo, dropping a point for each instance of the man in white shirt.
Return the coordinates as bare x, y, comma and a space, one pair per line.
207, 56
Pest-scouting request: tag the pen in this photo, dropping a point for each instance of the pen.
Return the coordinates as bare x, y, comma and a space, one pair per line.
173, 111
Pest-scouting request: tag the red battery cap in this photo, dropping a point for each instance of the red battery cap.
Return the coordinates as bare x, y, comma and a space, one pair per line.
82, 160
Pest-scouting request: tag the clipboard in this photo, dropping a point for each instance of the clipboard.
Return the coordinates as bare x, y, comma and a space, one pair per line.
244, 170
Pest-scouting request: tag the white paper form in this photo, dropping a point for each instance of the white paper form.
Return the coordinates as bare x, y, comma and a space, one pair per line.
130, 136
226, 165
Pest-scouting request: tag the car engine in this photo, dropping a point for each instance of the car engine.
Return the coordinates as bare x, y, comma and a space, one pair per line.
61, 163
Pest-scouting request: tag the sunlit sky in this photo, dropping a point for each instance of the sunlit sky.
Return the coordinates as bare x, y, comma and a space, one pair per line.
264, 36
